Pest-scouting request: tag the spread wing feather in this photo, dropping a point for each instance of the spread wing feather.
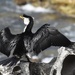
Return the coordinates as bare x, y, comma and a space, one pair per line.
11, 44
5, 41
48, 36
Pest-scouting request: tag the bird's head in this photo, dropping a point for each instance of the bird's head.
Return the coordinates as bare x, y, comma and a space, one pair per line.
28, 21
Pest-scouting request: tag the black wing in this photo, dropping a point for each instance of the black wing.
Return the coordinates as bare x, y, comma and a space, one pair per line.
48, 36
9, 61
5, 38
10, 44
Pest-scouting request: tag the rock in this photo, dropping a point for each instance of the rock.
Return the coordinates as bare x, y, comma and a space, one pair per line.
32, 68
39, 69
24, 68
64, 7
65, 63
43, 3
20, 2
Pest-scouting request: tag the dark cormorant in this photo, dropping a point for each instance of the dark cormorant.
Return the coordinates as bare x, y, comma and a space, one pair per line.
44, 37
17, 45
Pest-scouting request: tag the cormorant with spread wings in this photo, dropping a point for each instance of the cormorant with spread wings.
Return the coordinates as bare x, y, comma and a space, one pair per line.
26, 42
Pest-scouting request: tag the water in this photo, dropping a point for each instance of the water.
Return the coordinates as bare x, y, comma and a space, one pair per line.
9, 16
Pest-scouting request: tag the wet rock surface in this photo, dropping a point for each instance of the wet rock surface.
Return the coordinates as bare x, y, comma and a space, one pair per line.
64, 64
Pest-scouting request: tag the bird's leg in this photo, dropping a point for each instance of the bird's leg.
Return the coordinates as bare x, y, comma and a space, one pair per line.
31, 54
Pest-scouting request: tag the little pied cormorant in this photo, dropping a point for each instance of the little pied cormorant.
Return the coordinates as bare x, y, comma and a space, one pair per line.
20, 44
44, 37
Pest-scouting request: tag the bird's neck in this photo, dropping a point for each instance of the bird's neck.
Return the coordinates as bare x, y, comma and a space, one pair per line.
28, 28
24, 29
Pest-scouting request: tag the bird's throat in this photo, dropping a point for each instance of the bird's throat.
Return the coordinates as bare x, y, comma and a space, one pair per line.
25, 28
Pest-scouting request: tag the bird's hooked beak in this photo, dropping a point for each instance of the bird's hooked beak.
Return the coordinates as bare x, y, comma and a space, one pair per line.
26, 20
22, 17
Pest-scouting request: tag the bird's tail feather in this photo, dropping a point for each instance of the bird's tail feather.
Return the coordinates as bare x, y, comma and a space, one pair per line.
10, 61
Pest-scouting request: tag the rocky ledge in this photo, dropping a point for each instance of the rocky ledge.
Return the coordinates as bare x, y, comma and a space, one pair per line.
64, 64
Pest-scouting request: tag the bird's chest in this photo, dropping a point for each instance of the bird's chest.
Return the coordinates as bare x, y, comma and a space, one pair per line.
27, 42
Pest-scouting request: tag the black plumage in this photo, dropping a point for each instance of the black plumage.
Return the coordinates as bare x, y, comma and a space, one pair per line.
20, 44
10, 43
12, 46
44, 37
11, 61
48, 36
